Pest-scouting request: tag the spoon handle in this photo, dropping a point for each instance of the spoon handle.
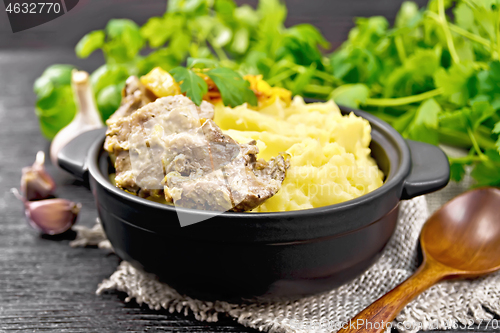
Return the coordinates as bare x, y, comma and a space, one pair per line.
375, 318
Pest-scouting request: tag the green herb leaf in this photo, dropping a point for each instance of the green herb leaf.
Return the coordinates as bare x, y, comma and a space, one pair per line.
59, 75
89, 43
487, 174
351, 95
157, 31
424, 126
125, 40
412, 78
496, 130
108, 100
43, 87
192, 85
225, 8
107, 75
179, 45
201, 63
162, 58
233, 88
241, 41
55, 106
299, 83
222, 35
454, 120
479, 112
409, 10
56, 111
457, 171
188, 7
247, 16
464, 16
454, 82
402, 122
309, 34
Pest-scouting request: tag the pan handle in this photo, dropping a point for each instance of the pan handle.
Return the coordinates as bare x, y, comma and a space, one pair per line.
73, 156
430, 170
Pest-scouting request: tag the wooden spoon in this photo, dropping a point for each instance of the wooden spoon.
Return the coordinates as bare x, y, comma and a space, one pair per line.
460, 240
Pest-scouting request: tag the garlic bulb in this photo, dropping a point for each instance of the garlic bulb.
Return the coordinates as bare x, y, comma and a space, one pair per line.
87, 117
50, 216
37, 184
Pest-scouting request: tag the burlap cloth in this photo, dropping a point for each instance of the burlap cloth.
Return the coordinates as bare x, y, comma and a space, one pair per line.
441, 307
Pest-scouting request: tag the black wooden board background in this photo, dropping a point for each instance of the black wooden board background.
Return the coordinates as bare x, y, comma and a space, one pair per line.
46, 286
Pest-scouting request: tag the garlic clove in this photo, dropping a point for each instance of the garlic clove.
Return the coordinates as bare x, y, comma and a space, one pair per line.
50, 216
36, 183
87, 117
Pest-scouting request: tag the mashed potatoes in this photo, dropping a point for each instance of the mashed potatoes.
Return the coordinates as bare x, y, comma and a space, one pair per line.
329, 153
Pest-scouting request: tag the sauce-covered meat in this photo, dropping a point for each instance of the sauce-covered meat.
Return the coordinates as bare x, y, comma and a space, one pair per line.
171, 146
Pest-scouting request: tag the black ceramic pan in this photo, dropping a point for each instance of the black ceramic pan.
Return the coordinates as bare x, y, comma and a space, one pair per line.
244, 255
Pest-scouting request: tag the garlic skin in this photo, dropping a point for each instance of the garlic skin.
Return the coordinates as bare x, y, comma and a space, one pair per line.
87, 117
50, 216
36, 184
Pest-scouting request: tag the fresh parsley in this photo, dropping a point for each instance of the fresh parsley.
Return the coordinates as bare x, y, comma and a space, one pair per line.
434, 78
191, 84
233, 88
